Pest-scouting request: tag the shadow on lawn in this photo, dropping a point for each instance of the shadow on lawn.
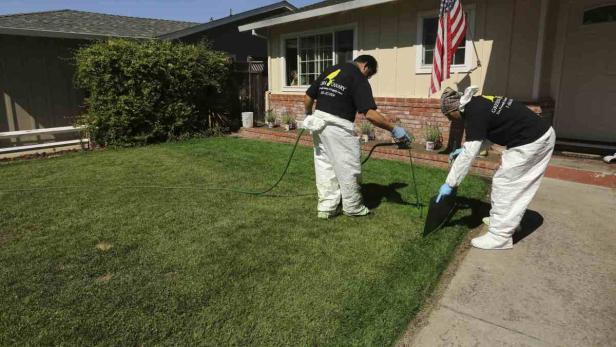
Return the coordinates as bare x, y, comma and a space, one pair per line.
531, 221
374, 194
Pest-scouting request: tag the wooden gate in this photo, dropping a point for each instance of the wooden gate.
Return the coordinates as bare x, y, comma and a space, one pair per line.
252, 78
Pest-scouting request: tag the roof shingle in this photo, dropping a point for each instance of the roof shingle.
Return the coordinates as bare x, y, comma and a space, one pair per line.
321, 4
94, 24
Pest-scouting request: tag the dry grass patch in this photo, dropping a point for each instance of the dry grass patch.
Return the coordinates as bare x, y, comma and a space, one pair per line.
104, 278
104, 246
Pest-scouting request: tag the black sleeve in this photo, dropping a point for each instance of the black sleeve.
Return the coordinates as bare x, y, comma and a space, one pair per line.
362, 97
313, 91
476, 122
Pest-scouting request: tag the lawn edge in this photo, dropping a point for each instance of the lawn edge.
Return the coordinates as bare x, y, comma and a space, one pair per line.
433, 300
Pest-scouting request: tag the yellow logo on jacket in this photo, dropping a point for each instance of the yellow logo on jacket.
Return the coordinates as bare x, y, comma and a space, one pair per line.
330, 78
490, 97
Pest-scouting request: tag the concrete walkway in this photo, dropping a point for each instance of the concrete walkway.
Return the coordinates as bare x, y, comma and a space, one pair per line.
557, 287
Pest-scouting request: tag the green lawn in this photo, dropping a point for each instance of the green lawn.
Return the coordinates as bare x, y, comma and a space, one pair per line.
103, 265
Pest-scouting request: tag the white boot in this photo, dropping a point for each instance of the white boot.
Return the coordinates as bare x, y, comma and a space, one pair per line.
363, 211
486, 221
491, 241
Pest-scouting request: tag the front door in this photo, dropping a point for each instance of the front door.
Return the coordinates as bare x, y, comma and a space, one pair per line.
587, 102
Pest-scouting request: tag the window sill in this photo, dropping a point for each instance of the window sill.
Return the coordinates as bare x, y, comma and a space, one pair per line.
295, 89
428, 69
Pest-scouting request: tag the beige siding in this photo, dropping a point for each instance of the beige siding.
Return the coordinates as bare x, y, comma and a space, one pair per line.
557, 55
505, 36
523, 47
550, 48
36, 83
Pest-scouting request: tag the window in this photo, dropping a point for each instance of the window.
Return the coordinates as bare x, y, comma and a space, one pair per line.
600, 15
306, 56
427, 28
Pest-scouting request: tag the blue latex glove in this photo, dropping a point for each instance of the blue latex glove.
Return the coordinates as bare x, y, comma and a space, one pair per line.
400, 134
445, 190
453, 155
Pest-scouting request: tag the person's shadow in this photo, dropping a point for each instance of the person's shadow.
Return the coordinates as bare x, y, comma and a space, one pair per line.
531, 221
374, 194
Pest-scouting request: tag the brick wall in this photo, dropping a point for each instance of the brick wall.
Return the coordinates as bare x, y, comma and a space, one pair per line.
412, 113
287, 103
480, 166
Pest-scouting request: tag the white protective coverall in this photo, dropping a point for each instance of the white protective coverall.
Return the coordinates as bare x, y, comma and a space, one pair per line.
513, 186
337, 163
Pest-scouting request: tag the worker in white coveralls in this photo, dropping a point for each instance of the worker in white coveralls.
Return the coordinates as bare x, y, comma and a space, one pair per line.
529, 140
341, 92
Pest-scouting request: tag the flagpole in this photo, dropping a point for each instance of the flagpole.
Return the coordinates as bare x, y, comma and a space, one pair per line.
468, 30
478, 65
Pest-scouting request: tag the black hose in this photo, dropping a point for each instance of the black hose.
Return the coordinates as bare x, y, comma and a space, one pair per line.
257, 193
417, 203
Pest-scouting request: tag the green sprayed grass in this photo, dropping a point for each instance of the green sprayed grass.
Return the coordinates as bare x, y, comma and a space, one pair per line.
192, 267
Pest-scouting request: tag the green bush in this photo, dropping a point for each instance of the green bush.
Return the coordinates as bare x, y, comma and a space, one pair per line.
150, 91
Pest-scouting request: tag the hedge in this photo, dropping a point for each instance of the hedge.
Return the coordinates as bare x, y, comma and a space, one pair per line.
151, 91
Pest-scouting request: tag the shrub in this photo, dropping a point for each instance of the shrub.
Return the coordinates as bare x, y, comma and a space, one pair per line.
270, 116
432, 133
287, 119
151, 91
366, 128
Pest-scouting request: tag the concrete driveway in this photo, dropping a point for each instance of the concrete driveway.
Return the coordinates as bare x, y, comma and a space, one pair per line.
557, 287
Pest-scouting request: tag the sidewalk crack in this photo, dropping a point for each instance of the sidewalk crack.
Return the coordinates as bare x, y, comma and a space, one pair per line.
494, 324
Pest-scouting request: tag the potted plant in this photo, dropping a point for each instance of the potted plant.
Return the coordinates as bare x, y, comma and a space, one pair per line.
270, 119
288, 121
366, 129
433, 136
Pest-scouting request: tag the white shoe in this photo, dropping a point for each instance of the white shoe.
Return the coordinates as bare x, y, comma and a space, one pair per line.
486, 221
328, 214
491, 241
610, 158
363, 211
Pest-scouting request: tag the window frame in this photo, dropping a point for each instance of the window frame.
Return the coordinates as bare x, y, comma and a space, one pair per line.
470, 59
586, 9
300, 34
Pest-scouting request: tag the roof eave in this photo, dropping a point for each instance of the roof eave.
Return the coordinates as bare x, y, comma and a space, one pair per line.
317, 12
240, 16
61, 34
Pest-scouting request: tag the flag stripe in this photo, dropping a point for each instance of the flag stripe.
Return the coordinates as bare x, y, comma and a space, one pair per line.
451, 30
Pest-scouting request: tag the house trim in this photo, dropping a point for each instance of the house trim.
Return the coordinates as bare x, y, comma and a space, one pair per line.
562, 30
540, 45
321, 11
333, 29
469, 55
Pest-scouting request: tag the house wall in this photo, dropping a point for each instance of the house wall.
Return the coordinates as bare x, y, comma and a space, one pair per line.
36, 83
583, 75
505, 35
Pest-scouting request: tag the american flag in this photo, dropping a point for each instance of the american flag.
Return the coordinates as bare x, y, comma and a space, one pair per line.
451, 31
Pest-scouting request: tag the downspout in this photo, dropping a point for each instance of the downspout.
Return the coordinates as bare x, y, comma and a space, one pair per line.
539, 53
267, 92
